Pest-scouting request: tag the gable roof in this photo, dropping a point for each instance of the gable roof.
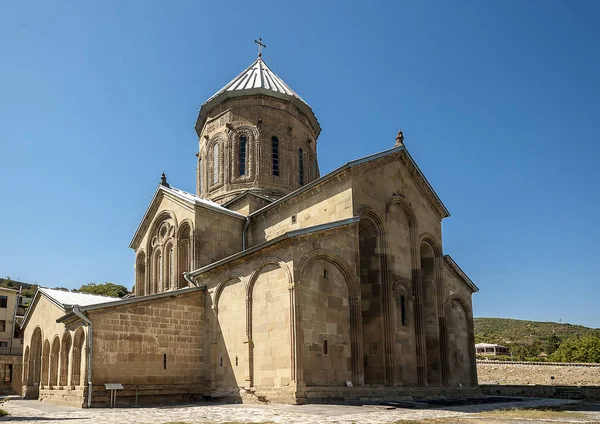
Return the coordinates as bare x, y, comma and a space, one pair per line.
188, 198
460, 273
275, 240
249, 192
257, 78
65, 300
429, 192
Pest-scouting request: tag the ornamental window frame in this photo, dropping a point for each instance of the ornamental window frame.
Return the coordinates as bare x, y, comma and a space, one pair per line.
275, 157
217, 145
301, 176
235, 138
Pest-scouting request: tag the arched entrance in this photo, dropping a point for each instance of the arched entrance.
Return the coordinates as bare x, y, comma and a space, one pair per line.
77, 351
65, 351
54, 355
35, 365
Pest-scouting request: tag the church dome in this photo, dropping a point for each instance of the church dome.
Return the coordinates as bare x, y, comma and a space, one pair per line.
257, 78
255, 135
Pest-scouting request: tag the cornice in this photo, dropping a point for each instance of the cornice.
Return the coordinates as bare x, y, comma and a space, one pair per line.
423, 185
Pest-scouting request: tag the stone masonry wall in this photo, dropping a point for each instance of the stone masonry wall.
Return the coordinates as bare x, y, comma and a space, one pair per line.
131, 341
325, 325
521, 373
323, 204
217, 236
258, 118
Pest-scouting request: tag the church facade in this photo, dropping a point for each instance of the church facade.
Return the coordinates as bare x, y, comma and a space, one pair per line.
271, 282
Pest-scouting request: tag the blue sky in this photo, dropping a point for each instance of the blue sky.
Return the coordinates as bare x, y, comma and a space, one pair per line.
499, 103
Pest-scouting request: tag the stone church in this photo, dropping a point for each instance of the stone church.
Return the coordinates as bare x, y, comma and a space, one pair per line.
271, 282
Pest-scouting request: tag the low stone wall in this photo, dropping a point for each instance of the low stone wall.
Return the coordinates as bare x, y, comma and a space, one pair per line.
523, 373
539, 391
380, 394
131, 395
65, 397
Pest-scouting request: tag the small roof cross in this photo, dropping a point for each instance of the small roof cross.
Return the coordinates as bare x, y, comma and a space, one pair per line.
260, 46
163, 180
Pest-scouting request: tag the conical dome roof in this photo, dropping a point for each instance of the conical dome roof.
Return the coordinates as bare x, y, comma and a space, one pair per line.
257, 78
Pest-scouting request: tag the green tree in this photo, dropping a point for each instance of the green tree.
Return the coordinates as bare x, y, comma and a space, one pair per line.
582, 349
106, 289
551, 344
30, 292
519, 352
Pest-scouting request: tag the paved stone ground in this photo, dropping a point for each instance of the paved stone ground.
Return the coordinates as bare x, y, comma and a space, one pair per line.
35, 412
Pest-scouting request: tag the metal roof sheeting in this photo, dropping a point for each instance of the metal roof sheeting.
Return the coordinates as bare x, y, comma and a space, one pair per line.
258, 76
66, 298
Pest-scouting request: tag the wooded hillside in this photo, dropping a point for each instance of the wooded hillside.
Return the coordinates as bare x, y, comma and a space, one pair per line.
506, 330
28, 290
534, 340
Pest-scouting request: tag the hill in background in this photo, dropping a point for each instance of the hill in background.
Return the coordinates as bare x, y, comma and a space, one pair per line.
534, 340
28, 290
507, 331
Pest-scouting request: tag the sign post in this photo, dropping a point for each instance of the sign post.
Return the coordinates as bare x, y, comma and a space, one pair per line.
113, 387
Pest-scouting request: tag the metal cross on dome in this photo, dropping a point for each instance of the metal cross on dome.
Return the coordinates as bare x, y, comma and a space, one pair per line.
260, 46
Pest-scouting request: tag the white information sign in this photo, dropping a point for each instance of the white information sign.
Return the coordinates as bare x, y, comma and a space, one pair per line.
113, 386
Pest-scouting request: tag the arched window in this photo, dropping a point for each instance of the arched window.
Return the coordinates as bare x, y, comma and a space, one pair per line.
167, 271
172, 267
159, 273
140, 268
199, 176
275, 155
183, 252
215, 175
243, 141
301, 165
402, 310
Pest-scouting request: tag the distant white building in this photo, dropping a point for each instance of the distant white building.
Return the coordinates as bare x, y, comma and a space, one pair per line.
490, 349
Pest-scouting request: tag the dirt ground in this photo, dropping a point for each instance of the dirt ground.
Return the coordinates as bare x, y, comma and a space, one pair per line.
513, 411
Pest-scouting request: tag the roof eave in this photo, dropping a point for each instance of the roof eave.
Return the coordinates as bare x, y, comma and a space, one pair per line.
284, 236
130, 300
226, 95
458, 270
445, 213
327, 177
134, 240
33, 304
